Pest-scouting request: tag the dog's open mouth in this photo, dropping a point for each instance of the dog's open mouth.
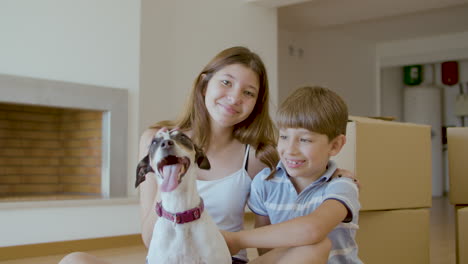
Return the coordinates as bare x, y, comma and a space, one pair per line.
172, 169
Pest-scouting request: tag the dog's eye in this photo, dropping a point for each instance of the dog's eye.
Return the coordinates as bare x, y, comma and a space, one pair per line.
185, 140
155, 141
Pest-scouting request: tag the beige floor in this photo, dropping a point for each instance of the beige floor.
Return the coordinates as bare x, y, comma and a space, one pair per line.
442, 242
442, 232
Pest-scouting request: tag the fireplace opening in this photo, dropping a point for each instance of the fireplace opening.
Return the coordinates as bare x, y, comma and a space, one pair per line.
50, 152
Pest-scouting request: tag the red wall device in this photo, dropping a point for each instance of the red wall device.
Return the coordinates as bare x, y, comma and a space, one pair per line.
450, 72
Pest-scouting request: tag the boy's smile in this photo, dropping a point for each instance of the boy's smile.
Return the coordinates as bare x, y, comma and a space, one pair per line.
294, 163
305, 154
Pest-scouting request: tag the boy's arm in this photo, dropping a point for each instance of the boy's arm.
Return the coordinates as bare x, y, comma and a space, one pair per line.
261, 221
304, 230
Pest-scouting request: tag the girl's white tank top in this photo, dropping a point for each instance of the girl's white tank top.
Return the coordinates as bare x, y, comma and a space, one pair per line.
225, 199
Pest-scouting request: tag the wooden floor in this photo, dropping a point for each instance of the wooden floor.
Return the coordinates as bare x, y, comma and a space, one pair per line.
442, 232
49, 197
442, 242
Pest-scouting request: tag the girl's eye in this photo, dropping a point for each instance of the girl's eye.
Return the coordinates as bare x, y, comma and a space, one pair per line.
282, 137
249, 93
226, 82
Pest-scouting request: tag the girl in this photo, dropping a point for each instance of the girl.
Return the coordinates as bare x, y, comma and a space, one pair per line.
227, 115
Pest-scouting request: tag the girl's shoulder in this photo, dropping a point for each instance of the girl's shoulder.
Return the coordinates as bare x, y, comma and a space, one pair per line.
255, 165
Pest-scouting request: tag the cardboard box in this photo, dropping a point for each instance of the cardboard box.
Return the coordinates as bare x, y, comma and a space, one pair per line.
462, 234
394, 236
457, 149
392, 160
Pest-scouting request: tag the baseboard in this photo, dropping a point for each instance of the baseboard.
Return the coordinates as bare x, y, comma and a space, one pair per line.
64, 247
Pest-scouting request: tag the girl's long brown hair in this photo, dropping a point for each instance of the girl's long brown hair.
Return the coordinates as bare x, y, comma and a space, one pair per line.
257, 129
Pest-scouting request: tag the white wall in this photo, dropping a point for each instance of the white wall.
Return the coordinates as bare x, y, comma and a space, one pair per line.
391, 85
91, 42
335, 60
293, 67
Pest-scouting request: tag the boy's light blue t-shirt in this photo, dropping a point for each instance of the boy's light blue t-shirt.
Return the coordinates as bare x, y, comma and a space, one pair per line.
277, 198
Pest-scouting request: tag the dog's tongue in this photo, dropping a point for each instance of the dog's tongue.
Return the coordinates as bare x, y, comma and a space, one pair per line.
171, 177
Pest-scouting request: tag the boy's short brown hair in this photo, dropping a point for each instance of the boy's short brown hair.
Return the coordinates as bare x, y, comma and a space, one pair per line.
314, 108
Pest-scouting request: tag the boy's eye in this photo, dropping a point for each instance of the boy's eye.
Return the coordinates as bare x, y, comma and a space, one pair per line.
305, 140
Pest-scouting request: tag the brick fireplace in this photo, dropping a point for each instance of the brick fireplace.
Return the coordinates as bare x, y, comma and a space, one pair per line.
60, 139
49, 151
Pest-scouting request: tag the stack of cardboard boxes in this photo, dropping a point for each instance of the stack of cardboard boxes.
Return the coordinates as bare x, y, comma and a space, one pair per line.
457, 146
392, 161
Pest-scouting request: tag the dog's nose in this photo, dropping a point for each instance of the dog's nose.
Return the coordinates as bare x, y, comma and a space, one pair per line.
167, 144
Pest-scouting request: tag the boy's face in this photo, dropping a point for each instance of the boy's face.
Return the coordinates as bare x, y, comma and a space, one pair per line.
304, 153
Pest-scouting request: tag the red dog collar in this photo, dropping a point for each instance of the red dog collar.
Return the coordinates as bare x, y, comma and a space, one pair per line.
183, 217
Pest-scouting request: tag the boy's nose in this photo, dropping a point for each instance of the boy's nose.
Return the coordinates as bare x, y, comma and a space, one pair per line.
291, 147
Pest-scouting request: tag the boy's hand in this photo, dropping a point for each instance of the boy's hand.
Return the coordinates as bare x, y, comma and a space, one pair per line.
345, 173
231, 241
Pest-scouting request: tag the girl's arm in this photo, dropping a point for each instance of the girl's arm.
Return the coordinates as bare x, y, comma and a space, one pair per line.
148, 192
300, 231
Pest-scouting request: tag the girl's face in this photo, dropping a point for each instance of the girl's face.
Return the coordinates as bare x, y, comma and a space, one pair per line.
231, 94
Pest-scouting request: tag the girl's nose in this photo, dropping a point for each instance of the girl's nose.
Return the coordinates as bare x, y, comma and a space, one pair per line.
235, 97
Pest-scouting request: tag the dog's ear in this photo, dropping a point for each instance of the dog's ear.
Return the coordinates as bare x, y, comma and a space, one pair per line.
201, 159
142, 169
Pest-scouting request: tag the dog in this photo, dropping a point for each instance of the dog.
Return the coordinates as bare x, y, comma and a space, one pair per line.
184, 233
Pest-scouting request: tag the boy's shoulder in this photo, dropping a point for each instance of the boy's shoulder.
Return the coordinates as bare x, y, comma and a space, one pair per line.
343, 186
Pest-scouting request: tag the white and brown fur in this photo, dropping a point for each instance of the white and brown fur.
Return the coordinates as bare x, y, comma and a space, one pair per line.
195, 242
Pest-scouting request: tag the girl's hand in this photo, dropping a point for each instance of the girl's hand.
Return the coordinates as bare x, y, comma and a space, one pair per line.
165, 129
231, 241
345, 173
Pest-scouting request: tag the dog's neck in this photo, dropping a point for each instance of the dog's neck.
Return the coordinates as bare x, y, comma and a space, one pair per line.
184, 197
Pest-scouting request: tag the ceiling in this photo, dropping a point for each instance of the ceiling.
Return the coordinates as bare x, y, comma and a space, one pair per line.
306, 15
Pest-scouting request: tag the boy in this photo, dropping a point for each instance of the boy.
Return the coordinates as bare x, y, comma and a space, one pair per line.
312, 123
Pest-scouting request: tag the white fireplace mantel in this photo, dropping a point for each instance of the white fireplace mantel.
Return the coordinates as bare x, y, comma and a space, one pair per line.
113, 102
50, 221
